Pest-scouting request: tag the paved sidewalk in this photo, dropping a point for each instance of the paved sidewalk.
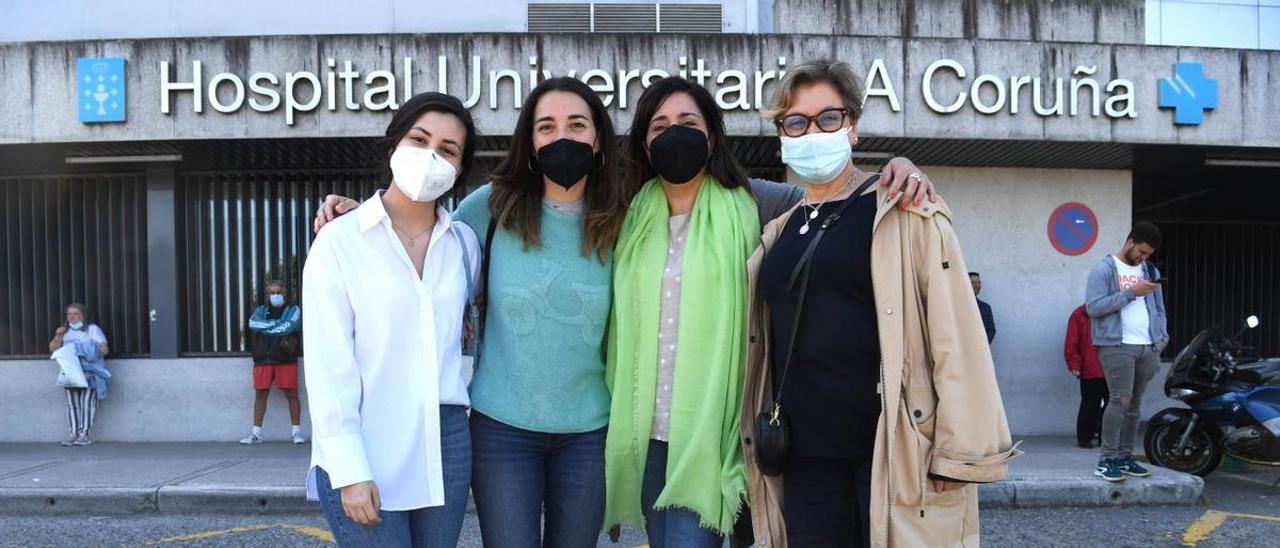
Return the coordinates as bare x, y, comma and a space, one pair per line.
1055, 472
227, 478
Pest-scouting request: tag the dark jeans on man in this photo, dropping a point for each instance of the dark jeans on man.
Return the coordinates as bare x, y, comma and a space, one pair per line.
827, 502
421, 528
1093, 400
516, 473
1128, 369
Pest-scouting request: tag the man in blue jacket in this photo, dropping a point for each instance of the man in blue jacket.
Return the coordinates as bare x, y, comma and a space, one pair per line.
273, 331
1126, 303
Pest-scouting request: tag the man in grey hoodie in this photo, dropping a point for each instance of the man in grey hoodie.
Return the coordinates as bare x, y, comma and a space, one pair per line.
1126, 303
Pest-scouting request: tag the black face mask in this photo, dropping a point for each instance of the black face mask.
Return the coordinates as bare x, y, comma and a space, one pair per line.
678, 153
566, 161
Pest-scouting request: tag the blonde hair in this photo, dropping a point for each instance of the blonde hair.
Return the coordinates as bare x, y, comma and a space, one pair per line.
837, 73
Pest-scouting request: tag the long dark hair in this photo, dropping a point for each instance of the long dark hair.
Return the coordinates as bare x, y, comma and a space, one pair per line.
516, 201
409, 113
720, 164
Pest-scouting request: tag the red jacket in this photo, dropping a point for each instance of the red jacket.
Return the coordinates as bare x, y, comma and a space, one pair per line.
1079, 350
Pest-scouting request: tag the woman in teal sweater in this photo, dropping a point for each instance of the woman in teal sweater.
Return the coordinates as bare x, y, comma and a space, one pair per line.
539, 400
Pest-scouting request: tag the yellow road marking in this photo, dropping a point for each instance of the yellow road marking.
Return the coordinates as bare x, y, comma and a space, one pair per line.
211, 534
314, 532
1211, 520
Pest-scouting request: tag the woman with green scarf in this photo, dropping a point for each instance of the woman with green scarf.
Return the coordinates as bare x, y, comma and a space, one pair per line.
677, 334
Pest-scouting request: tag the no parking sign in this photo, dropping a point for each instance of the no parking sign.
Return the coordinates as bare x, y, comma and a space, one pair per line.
1073, 229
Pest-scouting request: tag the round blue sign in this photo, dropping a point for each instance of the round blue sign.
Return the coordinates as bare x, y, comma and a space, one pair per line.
1073, 229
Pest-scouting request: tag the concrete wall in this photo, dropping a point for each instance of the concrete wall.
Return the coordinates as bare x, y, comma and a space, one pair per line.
1104, 22
1001, 217
192, 399
151, 400
39, 84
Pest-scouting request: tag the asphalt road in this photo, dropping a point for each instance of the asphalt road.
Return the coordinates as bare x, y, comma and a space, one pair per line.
1241, 509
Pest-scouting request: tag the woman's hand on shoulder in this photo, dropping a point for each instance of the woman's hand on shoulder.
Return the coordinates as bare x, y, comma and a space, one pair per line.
334, 206
903, 178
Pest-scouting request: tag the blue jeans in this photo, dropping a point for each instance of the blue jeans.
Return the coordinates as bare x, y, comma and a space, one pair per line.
433, 526
673, 527
519, 472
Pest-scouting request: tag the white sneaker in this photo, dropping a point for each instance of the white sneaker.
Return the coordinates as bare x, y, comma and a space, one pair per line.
250, 440
298, 439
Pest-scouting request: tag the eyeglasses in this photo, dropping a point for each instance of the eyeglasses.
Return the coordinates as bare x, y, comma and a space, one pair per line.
795, 125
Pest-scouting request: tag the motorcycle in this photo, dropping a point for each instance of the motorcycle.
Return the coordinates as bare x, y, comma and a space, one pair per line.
1234, 407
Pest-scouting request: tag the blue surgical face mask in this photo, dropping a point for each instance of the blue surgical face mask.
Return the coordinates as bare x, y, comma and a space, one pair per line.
817, 157
276, 300
77, 325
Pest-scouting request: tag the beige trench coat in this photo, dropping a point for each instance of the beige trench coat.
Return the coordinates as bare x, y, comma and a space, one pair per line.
942, 412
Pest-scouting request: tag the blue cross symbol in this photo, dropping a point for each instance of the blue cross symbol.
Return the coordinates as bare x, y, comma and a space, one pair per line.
1189, 93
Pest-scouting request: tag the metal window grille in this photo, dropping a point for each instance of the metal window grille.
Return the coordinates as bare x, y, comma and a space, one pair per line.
624, 17
73, 238
1218, 275
558, 17
702, 18
236, 230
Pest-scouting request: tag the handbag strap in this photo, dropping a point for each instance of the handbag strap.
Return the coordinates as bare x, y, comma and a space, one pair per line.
801, 273
473, 307
466, 262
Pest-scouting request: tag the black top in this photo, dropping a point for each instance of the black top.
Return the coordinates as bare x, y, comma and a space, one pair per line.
830, 394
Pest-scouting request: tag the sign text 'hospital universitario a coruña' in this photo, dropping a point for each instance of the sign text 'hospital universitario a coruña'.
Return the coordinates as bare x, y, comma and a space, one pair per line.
342, 86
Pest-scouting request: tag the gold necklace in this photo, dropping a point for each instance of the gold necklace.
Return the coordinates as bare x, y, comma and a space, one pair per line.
411, 239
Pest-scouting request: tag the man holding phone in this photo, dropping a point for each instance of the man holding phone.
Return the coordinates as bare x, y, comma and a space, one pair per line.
1130, 328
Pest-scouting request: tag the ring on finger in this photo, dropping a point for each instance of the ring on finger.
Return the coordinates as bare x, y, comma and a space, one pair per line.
915, 175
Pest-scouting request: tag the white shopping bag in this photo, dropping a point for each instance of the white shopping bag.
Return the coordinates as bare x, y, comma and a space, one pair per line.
71, 375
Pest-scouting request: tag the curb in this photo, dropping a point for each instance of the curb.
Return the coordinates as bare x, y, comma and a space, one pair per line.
216, 499
78, 501
168, 500
1160, 490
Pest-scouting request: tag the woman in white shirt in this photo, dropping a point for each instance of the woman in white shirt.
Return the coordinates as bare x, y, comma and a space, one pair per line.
383, 294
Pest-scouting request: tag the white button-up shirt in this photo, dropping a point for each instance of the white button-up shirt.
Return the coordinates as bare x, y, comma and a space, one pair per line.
383, 353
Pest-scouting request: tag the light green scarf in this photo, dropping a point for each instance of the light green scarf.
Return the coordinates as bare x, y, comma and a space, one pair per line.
705, 470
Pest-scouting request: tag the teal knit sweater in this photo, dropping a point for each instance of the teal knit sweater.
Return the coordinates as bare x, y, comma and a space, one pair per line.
542, 357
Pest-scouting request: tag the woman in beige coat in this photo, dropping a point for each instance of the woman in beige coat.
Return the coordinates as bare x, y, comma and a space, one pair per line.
890, 393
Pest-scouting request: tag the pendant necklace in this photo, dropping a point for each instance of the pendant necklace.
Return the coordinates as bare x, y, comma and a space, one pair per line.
411, 239
813, 213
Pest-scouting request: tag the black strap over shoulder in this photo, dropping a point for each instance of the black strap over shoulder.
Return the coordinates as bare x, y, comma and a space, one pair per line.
487, 254
801, 273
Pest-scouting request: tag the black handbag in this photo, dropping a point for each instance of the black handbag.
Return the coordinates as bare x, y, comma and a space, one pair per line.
772, 428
